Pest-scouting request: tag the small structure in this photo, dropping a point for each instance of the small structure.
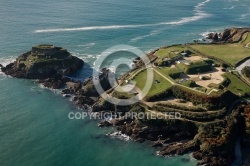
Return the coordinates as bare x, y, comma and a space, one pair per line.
157, 82
49, 51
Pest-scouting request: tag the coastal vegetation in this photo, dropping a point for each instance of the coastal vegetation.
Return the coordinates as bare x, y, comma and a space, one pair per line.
229, 52
246, 71
170, 52
159, 85
194, 67
235, 85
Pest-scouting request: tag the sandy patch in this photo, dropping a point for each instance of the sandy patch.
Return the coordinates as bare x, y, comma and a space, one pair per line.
194, 58
171, 100
216, 77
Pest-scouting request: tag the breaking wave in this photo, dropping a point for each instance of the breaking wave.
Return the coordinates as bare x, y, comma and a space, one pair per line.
198, 15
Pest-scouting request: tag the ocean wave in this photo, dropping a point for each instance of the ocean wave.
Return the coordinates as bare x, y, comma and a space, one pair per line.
152, 33
5, 61
56, 91
86, 45
214, 30
198, 15
244, 16
119, 135
205, 34
229, 8
83, 56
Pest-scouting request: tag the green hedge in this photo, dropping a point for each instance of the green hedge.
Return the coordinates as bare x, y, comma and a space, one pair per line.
216, 101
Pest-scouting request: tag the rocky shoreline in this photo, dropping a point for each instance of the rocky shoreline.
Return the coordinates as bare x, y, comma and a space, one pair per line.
210, 143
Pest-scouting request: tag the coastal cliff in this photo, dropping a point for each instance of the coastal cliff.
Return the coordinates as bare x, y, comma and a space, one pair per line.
208, 128
228, 35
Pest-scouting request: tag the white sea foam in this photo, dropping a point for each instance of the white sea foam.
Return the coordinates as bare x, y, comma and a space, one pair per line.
205, 34
56, 91
5, 61
198, 15
152, 33
230, 8
86, 45
119, 135
244, 16
83, 56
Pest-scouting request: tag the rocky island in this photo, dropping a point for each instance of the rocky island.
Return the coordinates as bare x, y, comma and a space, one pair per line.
196, 80
44, 62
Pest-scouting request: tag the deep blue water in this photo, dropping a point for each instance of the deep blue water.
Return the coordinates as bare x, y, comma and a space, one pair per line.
34, 124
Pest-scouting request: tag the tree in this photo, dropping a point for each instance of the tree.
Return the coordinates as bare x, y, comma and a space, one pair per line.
246, 71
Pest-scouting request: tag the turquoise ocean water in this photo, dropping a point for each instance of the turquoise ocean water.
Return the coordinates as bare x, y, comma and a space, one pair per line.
34, 124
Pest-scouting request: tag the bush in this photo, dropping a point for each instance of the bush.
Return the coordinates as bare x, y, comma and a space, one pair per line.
246, 71
216, 101
160, 95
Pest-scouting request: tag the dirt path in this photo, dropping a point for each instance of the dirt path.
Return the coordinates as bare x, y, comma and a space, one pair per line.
247, 45
173, 83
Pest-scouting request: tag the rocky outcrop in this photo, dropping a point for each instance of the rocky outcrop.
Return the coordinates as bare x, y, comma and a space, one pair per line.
228, 35
213, 36
56, 82
85, 93
42, 62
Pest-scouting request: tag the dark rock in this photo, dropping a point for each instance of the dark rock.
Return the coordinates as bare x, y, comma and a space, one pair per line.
81, 101
215, 37
67, 91
54, 83
1, 66
210, 36
66, 95
42, 62
197, 155
178, 148
104, 124
225, 34
157, 144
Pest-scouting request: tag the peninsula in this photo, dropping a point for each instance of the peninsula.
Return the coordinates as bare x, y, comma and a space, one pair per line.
198, 80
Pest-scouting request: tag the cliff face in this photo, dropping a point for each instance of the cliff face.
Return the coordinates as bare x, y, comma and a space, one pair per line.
43, 61
228, 35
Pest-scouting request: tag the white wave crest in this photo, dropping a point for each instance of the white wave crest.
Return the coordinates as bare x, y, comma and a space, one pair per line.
198, 15
5, 61
205, 34
86, 45
83, 56
119, 135
152, 33
229, 8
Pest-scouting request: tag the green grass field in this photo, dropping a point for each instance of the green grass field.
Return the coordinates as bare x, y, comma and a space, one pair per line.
195, 67
174, 73
170, 52
156, 88
236, 85
231, 53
